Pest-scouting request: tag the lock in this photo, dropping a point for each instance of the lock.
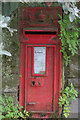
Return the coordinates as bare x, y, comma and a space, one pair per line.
35, 83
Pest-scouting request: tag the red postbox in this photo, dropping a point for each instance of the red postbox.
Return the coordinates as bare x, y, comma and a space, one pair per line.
40, 81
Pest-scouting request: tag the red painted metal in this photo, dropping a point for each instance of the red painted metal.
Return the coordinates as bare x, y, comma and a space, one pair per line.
39, 93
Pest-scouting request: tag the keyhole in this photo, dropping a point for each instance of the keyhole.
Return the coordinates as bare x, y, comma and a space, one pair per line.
33, 83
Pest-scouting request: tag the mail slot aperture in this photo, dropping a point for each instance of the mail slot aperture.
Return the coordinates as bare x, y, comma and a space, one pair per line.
41, 32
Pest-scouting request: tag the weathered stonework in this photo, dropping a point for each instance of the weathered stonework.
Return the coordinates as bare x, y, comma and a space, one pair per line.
11, 65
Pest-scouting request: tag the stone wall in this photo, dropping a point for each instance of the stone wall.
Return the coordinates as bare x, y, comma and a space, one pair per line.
11, 65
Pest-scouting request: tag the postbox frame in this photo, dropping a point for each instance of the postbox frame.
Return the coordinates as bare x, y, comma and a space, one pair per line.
56, 44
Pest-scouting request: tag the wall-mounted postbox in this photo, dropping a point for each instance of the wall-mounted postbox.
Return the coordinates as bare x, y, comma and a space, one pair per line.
40, 81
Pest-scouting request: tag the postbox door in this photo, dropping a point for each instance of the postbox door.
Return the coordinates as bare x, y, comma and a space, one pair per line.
39, 78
